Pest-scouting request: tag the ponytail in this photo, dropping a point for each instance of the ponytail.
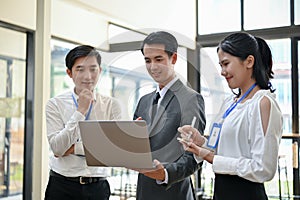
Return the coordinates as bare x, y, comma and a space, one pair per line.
266, 65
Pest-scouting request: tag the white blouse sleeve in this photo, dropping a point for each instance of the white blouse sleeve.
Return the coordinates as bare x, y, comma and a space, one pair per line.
262, 164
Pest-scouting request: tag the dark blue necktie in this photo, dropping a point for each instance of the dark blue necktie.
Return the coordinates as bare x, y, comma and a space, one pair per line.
154, 105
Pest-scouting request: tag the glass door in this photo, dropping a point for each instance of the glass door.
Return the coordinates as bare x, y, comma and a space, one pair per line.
12, 110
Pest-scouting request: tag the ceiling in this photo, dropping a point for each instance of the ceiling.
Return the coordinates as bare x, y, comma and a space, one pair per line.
175, 16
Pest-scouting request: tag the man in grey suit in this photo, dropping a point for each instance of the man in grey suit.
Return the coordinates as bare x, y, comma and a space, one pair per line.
176, 105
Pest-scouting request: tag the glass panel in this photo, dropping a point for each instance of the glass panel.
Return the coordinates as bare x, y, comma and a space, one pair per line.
130, 78
214, 90
60, 81
281, 50
266, 14
216, 16
12, 106
129, 81
299, 73
124, 74
119, 34
297, 13
213, 86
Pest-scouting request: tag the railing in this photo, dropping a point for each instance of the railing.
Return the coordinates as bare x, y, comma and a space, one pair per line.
123, 183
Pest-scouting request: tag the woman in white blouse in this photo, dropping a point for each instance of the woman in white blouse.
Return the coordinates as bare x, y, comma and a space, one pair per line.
245, 135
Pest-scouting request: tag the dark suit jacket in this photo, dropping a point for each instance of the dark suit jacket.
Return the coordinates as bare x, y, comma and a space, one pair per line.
178, 107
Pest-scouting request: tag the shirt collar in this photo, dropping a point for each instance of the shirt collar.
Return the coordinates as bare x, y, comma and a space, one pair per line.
164, 90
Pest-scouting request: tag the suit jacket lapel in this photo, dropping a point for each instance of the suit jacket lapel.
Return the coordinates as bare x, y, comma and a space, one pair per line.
164, 103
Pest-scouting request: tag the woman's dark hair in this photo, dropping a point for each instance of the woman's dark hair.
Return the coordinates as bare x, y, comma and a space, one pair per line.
81, 51
162, 37
242, 45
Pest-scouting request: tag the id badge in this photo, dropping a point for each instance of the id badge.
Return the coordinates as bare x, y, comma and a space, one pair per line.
214, 135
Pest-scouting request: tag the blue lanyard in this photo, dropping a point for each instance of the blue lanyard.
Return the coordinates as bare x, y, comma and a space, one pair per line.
76, 104
228, 111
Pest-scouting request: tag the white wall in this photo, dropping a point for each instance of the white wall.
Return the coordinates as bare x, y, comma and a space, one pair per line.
16, 46
78, 24
19, 12
176, 16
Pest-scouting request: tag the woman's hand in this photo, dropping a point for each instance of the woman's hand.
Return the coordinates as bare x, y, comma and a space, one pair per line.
192, 141
191, 135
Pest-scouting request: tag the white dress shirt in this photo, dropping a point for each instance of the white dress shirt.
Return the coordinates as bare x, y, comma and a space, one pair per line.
62, 131
243, 148
165, 89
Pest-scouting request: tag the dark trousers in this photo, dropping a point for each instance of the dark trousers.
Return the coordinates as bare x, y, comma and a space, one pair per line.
229, 187
61, 189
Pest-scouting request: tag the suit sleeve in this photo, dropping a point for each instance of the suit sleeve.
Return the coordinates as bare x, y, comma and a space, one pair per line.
186, 164
136, 115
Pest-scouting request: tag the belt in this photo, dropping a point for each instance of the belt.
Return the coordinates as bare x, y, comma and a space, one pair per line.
79, 179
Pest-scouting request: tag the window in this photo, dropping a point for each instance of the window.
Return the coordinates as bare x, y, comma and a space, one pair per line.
117, 77
281, 51
60, 81
219, 16
297, 13
12, 106
213, 86
119, 34
130, 79
266, 14
298, 75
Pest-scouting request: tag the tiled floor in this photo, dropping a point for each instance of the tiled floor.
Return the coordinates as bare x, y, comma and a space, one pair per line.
15, 197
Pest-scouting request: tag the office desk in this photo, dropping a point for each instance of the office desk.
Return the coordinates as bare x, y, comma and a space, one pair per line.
291, 136
295, 137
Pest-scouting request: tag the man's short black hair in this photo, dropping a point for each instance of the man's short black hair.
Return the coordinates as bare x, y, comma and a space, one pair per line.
162, 37
81, 51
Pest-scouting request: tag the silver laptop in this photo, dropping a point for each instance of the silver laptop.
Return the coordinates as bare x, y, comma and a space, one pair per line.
116, 143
